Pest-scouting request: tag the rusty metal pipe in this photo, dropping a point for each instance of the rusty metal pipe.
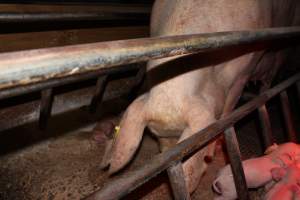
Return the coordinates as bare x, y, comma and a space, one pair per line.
126, 183
11, 92
32, 66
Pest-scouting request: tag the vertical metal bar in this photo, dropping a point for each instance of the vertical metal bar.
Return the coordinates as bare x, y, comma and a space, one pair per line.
236, 164
265, 125
176, 177
97, 98
137, 83
285, 105
298, 90
45, 108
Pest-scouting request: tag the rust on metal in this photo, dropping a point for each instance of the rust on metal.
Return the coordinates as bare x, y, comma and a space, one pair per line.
11, 92
32, 66
126, 183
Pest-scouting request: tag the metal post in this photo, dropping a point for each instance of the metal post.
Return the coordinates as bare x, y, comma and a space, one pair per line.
265, 125
97, 98
178, 184
46, 106
285, 105
236, 164
298, 90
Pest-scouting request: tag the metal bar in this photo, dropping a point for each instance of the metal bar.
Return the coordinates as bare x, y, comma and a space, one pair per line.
99, 92
28, 112
298, 90
126, 183
236, 164
13, 17
265, 125
288, 119
46, 107
178, 184
26, 67
11, 92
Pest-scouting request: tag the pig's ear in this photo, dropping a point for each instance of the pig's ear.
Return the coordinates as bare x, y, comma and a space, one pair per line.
272, 148
278, 173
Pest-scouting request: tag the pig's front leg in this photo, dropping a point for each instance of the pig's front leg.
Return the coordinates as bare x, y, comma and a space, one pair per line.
198, 117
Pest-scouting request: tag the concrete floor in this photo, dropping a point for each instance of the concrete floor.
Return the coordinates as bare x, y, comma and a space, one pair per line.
63, 162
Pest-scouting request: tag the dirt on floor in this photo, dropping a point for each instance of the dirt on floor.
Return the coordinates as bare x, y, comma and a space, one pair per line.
67, 164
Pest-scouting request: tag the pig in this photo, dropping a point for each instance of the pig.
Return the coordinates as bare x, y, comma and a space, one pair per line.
288, 185
258, 171
188, 93
103, 131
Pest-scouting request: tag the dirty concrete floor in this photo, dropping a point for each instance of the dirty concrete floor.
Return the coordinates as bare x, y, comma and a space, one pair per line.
66, 165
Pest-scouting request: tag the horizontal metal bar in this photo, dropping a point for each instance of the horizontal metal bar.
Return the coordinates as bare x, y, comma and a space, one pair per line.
126, 183
11, 92
17, 115
12, 17
26, 67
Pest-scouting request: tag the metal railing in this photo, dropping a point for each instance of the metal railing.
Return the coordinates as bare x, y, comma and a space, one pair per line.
126, 183
22, 69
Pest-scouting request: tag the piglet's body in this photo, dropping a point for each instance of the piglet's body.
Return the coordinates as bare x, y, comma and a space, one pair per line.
257, 170
288, 186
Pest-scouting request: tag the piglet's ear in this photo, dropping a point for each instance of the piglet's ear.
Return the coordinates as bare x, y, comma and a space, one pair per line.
278, 173
272, 148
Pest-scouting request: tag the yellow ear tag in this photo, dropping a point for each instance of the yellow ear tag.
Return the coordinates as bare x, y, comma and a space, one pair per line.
117, 130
